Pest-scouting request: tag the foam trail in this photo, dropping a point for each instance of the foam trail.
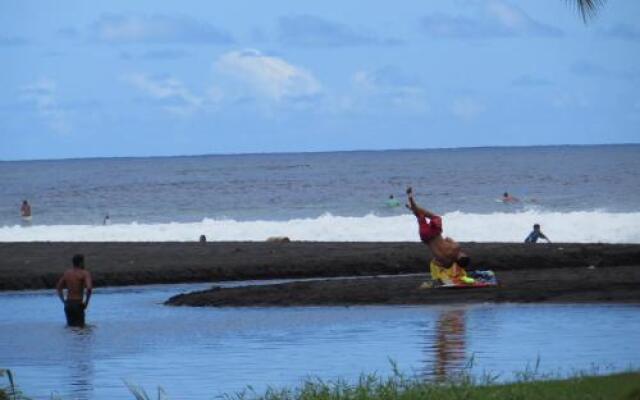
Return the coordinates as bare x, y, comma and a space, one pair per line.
579, 226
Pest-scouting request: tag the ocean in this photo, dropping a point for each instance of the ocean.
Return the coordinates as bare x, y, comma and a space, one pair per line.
576, 193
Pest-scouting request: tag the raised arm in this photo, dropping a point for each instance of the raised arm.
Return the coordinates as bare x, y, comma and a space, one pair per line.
88, 284
413, 206
60, 286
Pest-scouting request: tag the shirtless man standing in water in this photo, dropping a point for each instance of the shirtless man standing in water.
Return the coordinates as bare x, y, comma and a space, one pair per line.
76, 280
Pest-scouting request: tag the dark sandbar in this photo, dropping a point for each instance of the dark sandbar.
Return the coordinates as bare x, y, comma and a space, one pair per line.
565, 285
38, 265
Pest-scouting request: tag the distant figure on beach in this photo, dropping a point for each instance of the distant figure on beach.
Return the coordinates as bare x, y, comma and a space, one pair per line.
278, 239
107, 220
392, 202
203, 239
507, 198
449, 260
77, 281
536, 234
25, 211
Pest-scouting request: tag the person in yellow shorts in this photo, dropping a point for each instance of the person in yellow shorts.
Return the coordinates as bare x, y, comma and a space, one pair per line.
455, 274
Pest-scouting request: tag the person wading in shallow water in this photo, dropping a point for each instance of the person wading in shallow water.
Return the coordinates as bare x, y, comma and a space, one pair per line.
77, 281
25, 212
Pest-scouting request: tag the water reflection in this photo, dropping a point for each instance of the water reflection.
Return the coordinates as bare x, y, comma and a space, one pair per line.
446, 350
79, 343
222, 350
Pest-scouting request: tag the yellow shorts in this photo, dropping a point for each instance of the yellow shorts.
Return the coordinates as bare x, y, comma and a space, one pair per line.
453, 274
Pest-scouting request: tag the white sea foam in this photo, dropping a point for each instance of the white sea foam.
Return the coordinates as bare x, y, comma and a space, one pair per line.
579, 226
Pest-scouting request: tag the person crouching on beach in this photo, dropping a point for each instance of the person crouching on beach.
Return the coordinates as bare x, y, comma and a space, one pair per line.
76, 280
449, 261
536, 234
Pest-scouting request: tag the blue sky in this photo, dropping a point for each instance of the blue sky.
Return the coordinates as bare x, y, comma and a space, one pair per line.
122, 78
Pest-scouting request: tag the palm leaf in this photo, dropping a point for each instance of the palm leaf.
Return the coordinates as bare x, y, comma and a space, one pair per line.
587, 8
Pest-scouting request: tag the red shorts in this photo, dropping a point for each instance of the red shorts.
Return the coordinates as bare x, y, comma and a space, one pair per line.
429, 229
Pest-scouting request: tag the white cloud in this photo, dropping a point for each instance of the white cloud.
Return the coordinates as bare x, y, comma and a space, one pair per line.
516, 21
43, 95
311, 30
622, 31
12, 41
258, 77
497, 19
170, 92
267, 76
508, 16
390, 87
570, 100
467, 108
118, 28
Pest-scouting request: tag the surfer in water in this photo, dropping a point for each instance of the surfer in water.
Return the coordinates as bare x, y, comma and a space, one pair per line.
392, 202
449, 260
507, 198
25, 212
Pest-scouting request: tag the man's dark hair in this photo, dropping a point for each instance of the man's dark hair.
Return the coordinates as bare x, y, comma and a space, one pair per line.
536, 226
464, 261
78, 260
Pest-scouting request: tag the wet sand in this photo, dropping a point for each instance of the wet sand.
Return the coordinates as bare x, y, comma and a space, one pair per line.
38, 265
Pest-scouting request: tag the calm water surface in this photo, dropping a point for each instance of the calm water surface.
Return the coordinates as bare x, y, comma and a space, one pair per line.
197, 353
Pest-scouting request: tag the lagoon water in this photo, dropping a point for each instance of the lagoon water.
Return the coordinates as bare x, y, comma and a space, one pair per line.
198, 353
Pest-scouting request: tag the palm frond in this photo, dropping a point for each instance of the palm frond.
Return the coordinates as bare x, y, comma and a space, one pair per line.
588, 8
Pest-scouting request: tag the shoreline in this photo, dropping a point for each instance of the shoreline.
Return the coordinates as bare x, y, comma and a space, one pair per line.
38, 265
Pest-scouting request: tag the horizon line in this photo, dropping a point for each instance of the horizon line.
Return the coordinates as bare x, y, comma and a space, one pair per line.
231, 154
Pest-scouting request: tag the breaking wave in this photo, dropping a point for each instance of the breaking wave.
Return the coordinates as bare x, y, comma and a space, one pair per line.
578, 227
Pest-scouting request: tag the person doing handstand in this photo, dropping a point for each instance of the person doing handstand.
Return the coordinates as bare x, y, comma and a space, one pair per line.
449, 260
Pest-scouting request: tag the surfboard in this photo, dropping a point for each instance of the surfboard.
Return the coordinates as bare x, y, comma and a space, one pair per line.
467, 286
482, 279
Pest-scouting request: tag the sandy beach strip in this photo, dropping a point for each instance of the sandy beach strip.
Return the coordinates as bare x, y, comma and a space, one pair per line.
37, 265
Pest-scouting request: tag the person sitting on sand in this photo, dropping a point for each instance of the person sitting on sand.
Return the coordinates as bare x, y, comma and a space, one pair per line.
449, 260
76, 280
536, 234
507, 198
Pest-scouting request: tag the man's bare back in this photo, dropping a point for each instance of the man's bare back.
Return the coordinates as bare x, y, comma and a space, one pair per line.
444, 250
77, 281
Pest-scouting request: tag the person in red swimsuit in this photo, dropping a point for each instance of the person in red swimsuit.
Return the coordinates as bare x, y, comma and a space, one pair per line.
445, 251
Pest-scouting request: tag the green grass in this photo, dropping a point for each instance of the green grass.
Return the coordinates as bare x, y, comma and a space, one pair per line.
528, 386
624, 386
